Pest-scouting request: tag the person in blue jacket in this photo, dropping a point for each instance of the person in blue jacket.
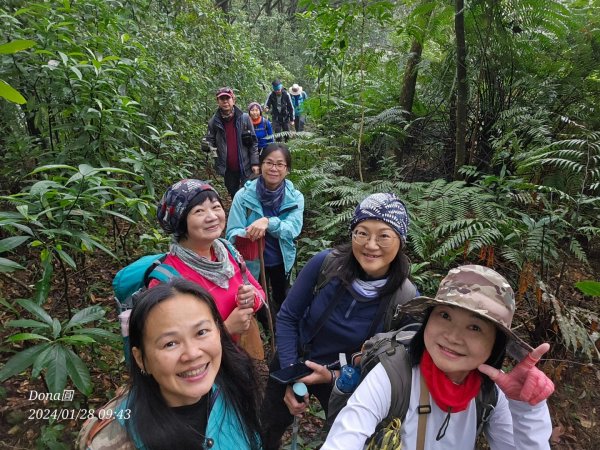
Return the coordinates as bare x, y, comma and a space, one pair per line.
262, 126
269, 207
317, 323
190, 385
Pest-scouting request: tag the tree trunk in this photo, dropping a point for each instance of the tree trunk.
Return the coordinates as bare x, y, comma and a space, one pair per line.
407, 96
461, 87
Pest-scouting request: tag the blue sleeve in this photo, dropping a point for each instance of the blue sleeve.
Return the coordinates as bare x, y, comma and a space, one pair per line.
269, 137
294, 307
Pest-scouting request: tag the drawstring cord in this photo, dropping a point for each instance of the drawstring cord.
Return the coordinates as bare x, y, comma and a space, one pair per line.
442, 431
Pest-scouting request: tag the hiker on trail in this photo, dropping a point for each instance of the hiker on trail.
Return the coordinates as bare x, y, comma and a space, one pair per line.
279, 105
230, 131
191, 211
267, 213
455, 356
298, 98
262, 126
189, 385
321, 319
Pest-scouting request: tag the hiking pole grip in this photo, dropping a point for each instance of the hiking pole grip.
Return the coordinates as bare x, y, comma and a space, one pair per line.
300, 391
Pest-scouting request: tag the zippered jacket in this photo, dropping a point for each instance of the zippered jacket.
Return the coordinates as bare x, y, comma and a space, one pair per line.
286, 227
223, 427
345, 330
247, 155
287, 109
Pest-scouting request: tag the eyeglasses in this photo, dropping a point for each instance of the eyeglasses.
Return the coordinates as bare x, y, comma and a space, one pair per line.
270, 165
222, 98
383, 239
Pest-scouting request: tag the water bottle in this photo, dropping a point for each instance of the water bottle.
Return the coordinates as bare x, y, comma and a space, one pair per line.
349, 378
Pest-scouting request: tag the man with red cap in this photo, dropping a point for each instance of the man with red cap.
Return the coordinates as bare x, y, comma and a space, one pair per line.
231, 133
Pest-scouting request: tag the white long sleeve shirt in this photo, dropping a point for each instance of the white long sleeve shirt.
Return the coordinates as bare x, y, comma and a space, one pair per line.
513, 425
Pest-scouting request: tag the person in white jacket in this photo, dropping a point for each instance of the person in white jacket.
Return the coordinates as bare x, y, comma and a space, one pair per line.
457, 352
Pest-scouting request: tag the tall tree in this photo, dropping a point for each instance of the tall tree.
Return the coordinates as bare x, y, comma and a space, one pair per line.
462, 90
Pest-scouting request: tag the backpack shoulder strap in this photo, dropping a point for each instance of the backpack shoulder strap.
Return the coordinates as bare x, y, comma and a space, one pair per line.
397, 366
323, 279
163, 273
485, 402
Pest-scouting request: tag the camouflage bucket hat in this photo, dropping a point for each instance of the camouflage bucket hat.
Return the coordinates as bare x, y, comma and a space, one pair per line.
484, 292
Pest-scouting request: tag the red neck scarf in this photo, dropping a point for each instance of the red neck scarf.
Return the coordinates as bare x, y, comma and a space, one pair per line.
257, 121
449, 397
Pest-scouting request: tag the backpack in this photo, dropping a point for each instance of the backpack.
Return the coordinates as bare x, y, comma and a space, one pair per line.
390, 349
132, 280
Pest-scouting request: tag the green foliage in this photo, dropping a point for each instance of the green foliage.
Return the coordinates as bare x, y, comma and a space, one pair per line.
54, 354
589, 287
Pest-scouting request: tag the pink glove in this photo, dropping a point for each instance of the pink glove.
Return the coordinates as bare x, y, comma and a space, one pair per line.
525, 382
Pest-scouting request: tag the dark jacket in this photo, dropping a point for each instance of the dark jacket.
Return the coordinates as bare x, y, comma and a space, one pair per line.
287, 109
247, 155
344, 331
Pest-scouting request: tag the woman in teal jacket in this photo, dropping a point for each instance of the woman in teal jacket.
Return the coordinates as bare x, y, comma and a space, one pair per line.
270, 208
191, 386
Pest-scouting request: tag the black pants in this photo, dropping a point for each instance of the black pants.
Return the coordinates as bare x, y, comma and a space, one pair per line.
299, 123
278, 281
279, 126
233, 181
275, 415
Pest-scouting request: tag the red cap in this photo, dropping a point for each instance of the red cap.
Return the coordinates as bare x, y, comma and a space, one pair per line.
225, 91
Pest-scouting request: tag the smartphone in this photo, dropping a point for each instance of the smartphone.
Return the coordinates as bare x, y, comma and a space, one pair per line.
291, 373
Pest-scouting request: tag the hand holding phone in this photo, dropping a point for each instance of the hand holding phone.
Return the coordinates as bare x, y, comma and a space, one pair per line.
291, 373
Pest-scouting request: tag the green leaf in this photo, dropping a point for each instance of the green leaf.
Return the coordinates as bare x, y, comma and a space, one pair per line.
11, 94
21, 361
86, 315
77, 339
77, 72
40, 362
55, 328
67, 258
12, 242
7, 265
42, 287
99, 334
26, 323
589, 287
36, 310
79, 373
56, 375
26, 337
16, 46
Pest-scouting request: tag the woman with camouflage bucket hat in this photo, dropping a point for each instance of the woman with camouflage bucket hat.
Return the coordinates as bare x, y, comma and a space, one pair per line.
455, 356
191, 211
339, 300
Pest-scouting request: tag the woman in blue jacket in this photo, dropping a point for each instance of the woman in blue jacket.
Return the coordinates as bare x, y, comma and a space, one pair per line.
270, 208
322, 318
191, 386
262, 126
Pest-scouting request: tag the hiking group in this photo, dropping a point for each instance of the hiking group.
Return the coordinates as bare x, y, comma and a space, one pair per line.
390, 367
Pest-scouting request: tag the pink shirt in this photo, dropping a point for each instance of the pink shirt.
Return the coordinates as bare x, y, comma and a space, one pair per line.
224, 298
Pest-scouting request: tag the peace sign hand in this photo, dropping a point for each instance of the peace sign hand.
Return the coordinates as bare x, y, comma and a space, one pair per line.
525, 382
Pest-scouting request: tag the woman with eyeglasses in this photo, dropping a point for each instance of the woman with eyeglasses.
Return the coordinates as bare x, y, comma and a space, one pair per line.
266, 216
340, 299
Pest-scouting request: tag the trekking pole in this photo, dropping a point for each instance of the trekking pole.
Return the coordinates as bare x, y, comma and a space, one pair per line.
263, 282
300, 391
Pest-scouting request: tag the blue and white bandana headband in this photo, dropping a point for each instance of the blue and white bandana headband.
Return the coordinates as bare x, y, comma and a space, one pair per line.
384, 207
